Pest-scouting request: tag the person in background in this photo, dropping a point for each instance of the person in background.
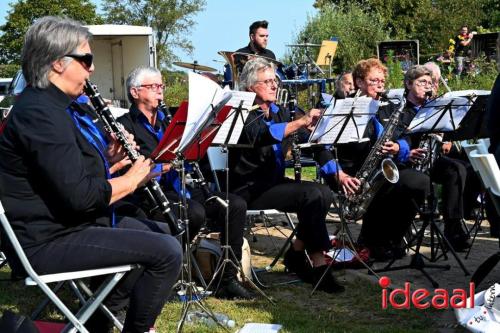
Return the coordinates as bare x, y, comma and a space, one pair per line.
344, 85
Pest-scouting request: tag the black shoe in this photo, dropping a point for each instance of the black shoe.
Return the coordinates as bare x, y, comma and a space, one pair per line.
329, 283
232, 289
381, 253
298, 263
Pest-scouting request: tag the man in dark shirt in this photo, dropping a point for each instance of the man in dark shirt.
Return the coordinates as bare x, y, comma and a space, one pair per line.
257, 174
259, 35
148, 123
462, 48
57, 187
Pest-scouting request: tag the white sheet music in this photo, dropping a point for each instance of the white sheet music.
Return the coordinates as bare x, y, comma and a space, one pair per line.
466, 93
427, 116
334, 117
238, 96
203, 94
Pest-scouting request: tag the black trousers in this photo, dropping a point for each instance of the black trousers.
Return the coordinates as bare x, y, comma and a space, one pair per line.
216, 213
311, 202
140, 208
130, 242
451, 173
393, 209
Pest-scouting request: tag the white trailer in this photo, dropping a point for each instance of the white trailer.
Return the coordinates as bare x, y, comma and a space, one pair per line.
118, 49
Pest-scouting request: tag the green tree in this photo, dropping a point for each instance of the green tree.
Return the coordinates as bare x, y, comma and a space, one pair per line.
357, 30
24, 12
171, 21
432, 22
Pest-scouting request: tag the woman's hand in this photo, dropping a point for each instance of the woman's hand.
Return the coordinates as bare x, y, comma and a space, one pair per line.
417, 154
350, 185
390, 148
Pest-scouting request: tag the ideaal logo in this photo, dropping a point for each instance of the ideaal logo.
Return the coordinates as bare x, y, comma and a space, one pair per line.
419, 298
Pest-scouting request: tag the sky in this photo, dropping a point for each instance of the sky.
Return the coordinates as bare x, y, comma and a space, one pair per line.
223, 26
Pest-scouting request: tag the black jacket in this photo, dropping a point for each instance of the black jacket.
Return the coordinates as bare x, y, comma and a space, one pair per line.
54, 181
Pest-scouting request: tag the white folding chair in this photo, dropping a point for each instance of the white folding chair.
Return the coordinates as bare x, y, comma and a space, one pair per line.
218, 162
89, 303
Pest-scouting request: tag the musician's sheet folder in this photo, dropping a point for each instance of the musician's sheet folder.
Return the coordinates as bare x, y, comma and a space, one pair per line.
330, 124
451, 110
238, 96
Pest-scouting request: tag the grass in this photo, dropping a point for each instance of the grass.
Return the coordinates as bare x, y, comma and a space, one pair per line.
356, 310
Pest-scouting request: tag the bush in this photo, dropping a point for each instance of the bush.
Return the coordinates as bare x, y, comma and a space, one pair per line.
358, 32
8, 70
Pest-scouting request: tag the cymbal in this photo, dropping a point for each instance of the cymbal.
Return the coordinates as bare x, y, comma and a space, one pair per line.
304, 45
274, 61
194, 66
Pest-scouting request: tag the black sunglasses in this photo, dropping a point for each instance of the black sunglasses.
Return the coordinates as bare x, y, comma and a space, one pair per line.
86, 58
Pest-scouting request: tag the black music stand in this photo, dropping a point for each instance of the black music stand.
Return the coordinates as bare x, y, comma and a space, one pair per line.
227, 251
430, 124
198, 139
338, 129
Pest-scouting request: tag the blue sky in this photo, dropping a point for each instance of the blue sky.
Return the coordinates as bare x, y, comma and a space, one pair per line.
223, 25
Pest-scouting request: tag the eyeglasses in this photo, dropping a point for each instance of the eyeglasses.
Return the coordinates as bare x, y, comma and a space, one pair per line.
376, 82
153, 86
269, 82
422, 83
85, 58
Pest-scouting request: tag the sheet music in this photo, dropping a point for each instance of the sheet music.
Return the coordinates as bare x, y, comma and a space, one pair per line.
329, 126
203, 94
238, 96
426, 118
465, 93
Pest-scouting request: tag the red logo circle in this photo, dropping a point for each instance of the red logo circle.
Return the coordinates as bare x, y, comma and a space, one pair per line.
384, 282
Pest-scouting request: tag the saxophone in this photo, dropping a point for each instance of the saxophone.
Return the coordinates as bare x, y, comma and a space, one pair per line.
376, 169
432, 144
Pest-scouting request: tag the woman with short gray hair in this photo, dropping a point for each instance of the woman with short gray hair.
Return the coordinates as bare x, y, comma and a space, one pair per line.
58, 191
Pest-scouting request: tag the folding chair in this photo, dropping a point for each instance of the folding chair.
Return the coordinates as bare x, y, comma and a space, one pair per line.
88, 305
481, 147
489, 172
218, 160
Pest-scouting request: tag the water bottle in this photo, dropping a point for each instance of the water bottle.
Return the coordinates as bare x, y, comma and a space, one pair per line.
203, 318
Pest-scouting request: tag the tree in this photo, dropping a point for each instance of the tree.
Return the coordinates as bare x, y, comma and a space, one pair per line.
357, 30
24, 12
171, 21
432, 22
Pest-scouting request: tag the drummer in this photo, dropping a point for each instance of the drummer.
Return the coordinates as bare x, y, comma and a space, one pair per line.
259, 35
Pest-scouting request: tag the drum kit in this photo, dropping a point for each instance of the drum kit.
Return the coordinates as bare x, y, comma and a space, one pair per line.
296, 76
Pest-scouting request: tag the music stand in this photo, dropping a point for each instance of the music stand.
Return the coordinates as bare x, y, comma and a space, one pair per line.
439, 115
229, 138
342, 123
326, 54
177, 149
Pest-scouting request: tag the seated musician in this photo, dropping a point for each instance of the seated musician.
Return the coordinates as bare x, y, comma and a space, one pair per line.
395, 205
460, 183
258, 34
344, 85
57, 190
147, 123
258, 175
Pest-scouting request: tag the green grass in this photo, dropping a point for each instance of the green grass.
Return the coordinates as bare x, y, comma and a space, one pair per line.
308, 173
356, 310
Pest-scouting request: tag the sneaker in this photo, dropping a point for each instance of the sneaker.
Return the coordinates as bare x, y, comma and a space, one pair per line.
232, 289
298, 263
329, 283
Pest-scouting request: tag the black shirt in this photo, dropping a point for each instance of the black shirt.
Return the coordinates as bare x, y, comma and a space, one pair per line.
54, 180
251, 49
257, 169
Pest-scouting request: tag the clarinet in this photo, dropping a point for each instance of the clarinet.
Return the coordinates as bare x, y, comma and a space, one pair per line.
297, 165
163, 108
153, 189
204, 186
